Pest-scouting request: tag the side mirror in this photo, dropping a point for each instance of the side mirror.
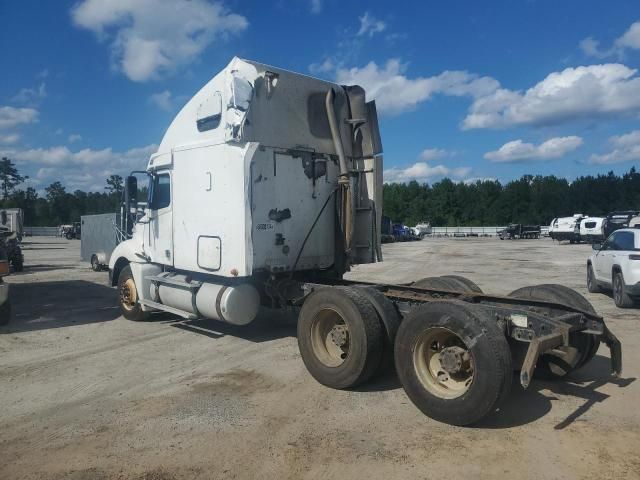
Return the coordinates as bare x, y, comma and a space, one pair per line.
596, 246
131, 193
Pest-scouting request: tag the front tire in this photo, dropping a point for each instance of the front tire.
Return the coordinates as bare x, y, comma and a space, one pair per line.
592, 283
18, 265
128, 299
340, 337
5, 312
453, 361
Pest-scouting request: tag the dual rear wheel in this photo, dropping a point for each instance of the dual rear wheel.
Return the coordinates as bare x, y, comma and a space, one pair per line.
451, 357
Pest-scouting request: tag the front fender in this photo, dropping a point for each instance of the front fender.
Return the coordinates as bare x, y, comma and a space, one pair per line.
125, 253
128, 250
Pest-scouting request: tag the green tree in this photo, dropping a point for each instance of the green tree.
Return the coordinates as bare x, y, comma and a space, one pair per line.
9, 177
59, 204
115, 185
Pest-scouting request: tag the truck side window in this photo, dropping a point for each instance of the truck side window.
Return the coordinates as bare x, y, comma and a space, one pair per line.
610, 243
161, 192
209, 113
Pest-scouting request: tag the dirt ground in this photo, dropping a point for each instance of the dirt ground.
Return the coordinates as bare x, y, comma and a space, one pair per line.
86, 394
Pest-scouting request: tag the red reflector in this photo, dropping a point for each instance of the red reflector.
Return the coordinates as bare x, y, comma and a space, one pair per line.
4, 267
634, 256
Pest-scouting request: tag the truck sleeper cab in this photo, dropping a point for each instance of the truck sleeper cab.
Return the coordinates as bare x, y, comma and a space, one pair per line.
265, 190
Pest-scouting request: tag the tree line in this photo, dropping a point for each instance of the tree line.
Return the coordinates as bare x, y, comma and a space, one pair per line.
530, 199
57, 206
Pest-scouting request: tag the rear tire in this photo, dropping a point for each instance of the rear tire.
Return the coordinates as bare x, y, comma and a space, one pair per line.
548, 366
468, 285
340, 337
130, 307
620, 296
453, 361
95, 264
389, 319
436, 283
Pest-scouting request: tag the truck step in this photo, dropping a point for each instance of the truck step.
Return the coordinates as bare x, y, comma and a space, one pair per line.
176, 283
166, 308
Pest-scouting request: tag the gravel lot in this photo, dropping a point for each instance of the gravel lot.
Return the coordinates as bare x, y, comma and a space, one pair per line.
86, 394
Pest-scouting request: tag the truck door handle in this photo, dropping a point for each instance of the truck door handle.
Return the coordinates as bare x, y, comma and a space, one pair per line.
210, 182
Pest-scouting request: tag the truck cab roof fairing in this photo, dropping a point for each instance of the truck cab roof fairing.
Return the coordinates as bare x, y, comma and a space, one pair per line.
286, 111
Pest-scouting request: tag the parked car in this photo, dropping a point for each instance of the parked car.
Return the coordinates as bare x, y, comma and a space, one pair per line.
422, 229
615, 266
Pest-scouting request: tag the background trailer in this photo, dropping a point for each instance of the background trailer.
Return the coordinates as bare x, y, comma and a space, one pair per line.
99, 238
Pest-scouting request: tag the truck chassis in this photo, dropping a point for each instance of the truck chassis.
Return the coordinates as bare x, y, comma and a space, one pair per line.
547, 328
454, 348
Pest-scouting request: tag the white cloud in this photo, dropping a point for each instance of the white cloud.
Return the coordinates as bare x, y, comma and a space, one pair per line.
370, 25
422, 172
327, 65
396, 93
61, 156
74, 137
151, 37
30, 96
84, 169
162, 100
9, 138
11, 116
626, 148
629, 40
519, 151
316, 6
433, 154
591, 47
574, 93
584, 92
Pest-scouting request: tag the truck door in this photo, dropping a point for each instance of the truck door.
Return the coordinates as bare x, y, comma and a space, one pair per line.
160, 228
605, 259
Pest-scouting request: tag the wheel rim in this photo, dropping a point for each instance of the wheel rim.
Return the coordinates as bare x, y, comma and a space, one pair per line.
330, 338
128, 294
443, 363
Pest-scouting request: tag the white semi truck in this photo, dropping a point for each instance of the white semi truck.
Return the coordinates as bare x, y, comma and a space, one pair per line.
265, 190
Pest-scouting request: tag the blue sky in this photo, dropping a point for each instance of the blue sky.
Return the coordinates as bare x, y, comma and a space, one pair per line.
465, 89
